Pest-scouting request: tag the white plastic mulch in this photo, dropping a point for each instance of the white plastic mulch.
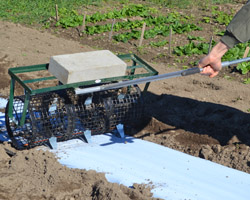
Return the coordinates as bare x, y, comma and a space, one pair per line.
174, 175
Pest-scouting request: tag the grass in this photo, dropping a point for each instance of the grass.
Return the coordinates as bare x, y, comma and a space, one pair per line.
36, 11
188, 3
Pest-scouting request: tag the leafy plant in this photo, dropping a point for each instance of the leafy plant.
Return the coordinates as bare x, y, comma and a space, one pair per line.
221, 17
191, 49
206, 20
118, 26
236, 53
220, 33
190, 37
125, 37
247, 81
243, 67
36, 11
133, 24
70, 18
161, 29
159, 43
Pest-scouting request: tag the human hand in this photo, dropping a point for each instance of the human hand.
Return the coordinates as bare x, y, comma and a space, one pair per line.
211, 66
211, 63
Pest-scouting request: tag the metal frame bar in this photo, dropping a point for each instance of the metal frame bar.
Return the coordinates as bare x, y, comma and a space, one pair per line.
14, 72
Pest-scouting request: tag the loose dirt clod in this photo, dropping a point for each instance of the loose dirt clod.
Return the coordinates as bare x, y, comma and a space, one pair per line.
36, 174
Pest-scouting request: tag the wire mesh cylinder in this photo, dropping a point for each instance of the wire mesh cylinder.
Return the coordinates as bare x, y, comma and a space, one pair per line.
64, 115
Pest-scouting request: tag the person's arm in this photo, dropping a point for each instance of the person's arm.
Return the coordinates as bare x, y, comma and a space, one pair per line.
238, 31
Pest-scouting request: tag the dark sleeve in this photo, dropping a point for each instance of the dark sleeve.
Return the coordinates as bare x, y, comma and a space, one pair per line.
238, 30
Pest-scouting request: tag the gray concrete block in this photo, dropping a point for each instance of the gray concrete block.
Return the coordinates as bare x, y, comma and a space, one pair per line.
93, 65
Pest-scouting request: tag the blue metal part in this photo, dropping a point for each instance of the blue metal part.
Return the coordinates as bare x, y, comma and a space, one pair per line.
120, 130
87, 136
88, 101
121, 96
53, 106
53, 142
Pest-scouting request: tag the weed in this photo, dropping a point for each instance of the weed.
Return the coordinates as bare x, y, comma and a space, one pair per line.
188, 3
141, 49
228, 77
191, 49
35, 12
178, 60
222, 17
246, 81
159, 43
206, 20
190, 37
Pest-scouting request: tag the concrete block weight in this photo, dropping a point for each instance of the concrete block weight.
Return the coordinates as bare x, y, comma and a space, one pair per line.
93, 65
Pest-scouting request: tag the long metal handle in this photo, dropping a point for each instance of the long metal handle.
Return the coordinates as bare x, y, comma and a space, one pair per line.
153, 78
233, 62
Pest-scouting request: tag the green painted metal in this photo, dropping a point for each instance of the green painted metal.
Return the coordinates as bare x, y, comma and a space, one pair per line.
126, 56
31, 68
11, 98
18, 79
134, 67
25, 108
137, 63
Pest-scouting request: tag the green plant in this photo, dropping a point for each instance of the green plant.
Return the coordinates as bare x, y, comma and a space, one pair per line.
243, 67
141, 49
187, 3
220, 33
160, 55
221, 17
247, 81
161, 29
194, 63
173, 3
132, 24
227, 77
159, 43
69, 18
190, 37
206, 20
124, 1
236, 52
191, 48
36, 11
178, 60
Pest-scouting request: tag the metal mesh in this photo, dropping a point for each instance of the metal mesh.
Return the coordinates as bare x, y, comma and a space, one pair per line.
19, 135
65, 115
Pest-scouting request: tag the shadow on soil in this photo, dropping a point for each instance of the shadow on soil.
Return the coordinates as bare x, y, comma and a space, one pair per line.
215, 120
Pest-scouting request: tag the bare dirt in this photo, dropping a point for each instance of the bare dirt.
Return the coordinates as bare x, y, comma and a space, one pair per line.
36, 174
204, 117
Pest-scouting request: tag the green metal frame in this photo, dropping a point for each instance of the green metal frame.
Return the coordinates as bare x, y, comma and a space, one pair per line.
13, 72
